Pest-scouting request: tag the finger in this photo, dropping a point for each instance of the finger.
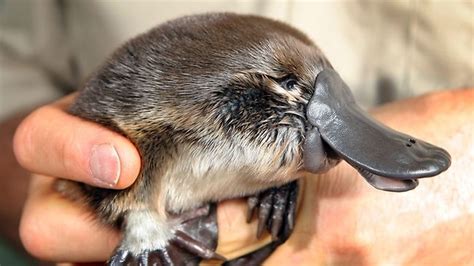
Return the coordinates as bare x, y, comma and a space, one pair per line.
55, 229
54, 143
236, 236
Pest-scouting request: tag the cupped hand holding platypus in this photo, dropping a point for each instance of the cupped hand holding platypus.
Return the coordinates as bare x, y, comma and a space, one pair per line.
340, 220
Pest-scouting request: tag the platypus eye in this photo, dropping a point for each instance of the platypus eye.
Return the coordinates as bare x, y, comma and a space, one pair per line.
288, 83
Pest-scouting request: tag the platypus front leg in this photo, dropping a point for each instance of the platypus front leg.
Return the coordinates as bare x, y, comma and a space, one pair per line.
183, 239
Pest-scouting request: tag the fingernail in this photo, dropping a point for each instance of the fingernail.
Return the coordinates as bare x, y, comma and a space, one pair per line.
105, 164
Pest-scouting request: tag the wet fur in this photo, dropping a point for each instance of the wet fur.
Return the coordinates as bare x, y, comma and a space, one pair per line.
199, 96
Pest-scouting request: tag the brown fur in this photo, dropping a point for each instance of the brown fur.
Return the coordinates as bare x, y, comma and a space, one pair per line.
202, 99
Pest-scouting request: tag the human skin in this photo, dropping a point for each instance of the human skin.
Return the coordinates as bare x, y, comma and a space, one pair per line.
342, 220
11, 176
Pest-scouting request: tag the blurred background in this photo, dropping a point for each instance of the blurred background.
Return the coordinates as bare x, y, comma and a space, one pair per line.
384, 50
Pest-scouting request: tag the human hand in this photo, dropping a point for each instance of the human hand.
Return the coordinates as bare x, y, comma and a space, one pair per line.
52, 143
342, 219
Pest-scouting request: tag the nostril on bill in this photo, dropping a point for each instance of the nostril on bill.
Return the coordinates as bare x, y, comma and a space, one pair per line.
410, 142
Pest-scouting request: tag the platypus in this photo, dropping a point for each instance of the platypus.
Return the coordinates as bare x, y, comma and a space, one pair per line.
225, 106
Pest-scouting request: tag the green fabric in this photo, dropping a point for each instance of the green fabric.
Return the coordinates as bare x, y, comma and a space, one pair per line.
11, 257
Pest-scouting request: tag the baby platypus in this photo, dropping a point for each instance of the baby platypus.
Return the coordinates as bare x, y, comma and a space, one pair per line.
223, 106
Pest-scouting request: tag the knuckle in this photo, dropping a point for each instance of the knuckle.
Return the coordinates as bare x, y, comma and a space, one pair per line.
22, 140
25, 136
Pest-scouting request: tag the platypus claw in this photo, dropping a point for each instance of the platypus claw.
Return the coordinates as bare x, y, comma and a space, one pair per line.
276, 209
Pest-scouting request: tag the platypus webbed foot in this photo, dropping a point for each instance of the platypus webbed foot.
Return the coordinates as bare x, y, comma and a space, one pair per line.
194, 239
276, 209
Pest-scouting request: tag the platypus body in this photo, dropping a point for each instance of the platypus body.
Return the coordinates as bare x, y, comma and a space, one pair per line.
223, 106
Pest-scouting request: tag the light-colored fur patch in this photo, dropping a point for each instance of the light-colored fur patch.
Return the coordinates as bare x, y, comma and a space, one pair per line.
145, 230
248, 169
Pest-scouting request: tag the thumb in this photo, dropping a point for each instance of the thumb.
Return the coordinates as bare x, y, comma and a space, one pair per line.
52, 142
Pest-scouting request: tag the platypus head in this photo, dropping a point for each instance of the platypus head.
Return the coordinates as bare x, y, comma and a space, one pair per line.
305, 92
286, 65
240, 79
